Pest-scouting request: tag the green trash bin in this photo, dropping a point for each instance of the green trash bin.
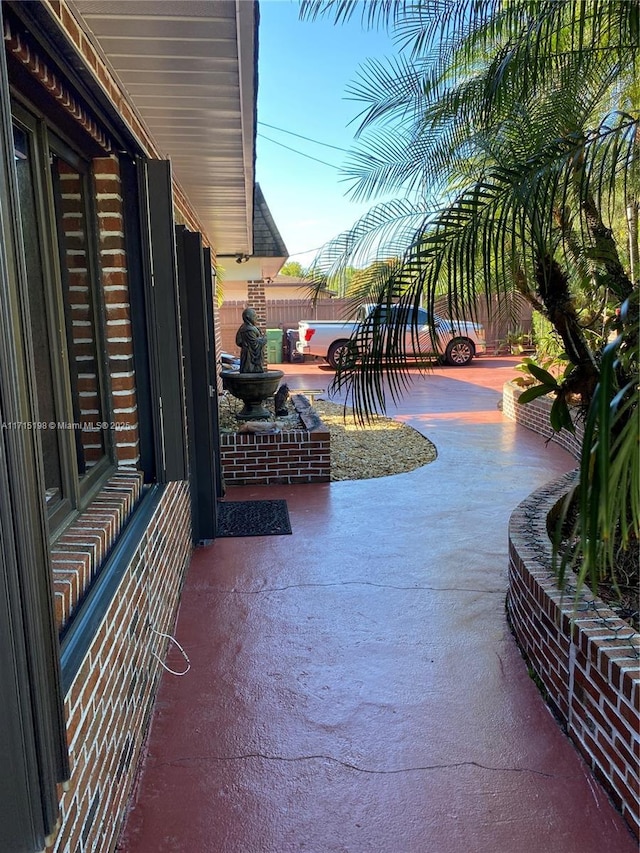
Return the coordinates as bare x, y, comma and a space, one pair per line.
274, 346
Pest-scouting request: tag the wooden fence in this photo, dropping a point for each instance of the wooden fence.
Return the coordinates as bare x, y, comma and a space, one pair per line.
285, 313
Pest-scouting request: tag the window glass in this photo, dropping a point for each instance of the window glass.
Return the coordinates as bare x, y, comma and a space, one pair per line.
62, 285
46, 411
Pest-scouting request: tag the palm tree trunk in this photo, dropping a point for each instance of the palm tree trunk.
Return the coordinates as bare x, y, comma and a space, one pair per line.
522, 286
606, 251
553, 287
632, 223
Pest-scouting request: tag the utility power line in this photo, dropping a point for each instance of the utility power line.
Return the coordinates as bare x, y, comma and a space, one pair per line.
305, 252
306, 138
295, 151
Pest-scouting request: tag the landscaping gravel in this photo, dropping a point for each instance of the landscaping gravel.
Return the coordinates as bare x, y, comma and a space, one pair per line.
382, 447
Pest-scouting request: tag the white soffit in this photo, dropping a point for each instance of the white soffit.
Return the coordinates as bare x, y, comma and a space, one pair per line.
189, 69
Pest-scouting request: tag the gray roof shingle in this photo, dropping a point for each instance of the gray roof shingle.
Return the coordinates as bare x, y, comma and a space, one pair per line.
267, 242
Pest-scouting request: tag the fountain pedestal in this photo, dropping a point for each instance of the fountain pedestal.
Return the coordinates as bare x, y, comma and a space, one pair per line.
253, 389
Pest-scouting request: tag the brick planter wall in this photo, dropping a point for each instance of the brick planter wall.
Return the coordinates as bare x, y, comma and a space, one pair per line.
298, 456
587, 659
295, 456
535, 416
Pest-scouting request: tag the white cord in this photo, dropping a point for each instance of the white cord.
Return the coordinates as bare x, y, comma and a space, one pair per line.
182, 651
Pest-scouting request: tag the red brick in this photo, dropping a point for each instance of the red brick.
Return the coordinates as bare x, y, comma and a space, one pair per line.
628, 713
106, 166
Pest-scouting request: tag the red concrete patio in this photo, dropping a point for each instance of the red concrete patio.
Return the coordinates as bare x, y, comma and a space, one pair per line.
355, 686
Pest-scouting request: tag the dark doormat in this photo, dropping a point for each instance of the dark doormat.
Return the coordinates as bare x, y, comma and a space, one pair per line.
253, 518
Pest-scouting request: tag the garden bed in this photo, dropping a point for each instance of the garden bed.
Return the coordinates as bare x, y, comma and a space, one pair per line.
586, 659
378, 449
289, 451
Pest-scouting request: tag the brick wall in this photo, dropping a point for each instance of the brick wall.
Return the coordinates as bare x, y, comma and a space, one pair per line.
587, 659
79, 552
299, 456
110, 700
82, 346
109, 703
32, 60
535, 416
256, 300
115, 286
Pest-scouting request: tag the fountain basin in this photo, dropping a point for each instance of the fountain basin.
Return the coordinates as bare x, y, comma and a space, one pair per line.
253, 389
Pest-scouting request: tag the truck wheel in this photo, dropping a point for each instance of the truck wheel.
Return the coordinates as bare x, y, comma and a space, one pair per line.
341, 354
459, 352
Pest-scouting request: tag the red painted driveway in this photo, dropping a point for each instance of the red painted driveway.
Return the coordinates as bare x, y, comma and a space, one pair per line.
354, 686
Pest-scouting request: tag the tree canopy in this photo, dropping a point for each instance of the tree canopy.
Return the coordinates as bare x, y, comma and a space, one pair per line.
509, 134
293, 268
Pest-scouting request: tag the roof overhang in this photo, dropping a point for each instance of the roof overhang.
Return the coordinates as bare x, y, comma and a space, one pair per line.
190, 70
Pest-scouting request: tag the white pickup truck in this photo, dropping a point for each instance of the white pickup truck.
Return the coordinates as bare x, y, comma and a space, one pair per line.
457, 341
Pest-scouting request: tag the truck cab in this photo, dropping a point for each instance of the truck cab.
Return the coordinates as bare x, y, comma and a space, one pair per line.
454, 342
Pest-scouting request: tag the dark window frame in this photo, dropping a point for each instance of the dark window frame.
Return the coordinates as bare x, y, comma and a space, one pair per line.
163, 316
46, 141
33, 729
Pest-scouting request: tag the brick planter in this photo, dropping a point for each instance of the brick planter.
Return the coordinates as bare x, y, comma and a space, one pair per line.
586, 658
535, 416
295, 456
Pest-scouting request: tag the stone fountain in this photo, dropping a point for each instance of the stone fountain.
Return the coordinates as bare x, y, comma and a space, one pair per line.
252, 384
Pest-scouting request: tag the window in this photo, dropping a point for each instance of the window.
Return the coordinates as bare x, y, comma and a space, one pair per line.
408, 315
65, 315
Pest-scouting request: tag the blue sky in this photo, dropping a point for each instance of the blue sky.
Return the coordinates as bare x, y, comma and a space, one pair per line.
304, 70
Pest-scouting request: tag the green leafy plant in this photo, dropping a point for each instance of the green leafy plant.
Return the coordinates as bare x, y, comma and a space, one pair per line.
508, 133
548, 383
606, 531
548, 344
516, 341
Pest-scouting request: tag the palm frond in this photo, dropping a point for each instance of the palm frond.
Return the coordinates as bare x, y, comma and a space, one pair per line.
608, 493
513, 128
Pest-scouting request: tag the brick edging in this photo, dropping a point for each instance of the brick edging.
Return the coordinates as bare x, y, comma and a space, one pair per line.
587, 659
295, 456
77, 554
535, 416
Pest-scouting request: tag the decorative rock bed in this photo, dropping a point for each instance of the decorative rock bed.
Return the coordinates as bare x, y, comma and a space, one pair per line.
380, 448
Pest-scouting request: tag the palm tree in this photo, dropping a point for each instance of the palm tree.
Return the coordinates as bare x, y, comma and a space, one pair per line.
509, 132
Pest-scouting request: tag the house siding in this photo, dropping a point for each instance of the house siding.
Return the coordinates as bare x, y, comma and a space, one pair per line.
109, 703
